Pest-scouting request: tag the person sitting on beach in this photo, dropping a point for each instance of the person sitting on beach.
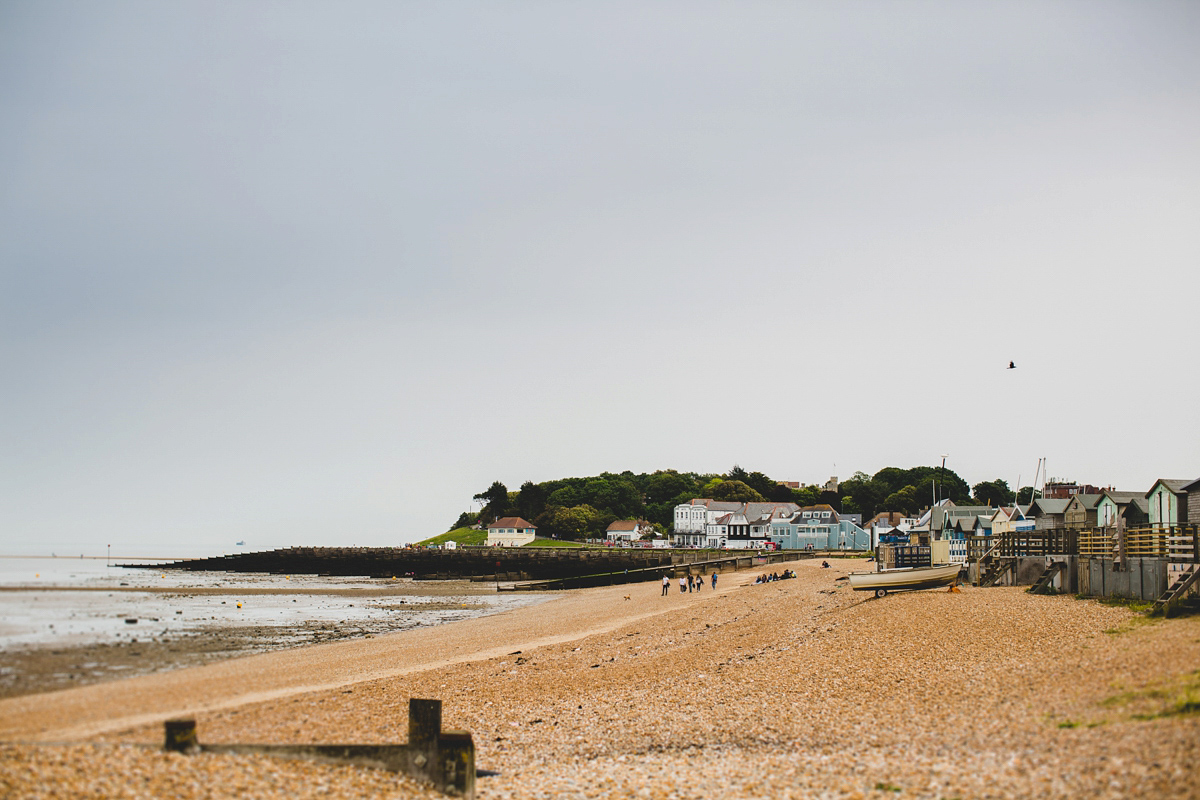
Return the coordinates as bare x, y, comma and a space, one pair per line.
825, 564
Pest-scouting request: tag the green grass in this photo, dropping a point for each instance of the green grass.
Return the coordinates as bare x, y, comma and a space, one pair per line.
463, 536
552, 543
1177, 697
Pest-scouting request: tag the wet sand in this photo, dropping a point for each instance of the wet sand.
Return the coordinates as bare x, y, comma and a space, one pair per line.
791, 689
163, 636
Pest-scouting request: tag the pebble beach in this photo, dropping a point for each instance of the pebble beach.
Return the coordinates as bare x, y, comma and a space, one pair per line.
797, 688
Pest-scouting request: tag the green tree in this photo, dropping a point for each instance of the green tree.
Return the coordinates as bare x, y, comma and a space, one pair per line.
993, 493
666, 485
568, 523
737, 492
1027, 494
904, 500
494, 500
465, 520
566, 496
531, 500
806, 495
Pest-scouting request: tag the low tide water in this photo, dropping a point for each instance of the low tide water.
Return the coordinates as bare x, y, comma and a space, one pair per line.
79, 602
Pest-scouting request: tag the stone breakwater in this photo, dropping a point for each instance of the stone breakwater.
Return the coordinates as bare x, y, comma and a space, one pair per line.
795, 688
500, 563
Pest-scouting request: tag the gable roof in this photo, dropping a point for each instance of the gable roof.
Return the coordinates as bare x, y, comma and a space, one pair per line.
1088, 501
510, 522
624, 525
1120, 498
1174, 485
1191, 487
1044, 505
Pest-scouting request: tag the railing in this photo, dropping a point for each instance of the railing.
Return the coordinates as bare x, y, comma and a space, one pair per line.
1049, 542
894, 556
1097, 543
1179, 543
1176, 542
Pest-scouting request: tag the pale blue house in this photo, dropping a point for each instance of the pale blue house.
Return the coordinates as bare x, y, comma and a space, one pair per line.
818, 528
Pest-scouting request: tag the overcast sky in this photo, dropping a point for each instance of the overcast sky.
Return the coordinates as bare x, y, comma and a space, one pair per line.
316, 273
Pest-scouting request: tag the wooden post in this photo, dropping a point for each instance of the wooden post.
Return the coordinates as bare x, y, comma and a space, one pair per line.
180, 735
456, 761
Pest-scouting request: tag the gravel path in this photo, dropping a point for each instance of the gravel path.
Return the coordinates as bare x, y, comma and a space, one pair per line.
791, 689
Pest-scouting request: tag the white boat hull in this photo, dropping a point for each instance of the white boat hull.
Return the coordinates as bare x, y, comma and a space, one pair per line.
898, 580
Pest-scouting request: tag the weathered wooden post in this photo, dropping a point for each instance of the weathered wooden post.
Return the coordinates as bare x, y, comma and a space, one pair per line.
180, 736
445, 759
424, 727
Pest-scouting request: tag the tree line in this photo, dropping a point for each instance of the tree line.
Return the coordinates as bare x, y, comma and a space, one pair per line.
578, 508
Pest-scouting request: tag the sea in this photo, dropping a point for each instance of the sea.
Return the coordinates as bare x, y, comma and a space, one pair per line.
82, 601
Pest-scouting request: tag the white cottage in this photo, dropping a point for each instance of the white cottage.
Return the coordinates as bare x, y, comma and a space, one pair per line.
510, 532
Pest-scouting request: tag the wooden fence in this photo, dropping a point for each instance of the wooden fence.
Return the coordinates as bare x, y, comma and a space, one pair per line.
1176, 542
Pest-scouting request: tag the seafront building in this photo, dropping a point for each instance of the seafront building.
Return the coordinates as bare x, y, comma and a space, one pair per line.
510, 532
718, 523
818, 528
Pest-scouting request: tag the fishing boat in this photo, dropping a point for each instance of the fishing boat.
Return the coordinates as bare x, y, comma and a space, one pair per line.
904, 579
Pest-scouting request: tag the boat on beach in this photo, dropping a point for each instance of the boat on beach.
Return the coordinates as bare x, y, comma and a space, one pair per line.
904, 579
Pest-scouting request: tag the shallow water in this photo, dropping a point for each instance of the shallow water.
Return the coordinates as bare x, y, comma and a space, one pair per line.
74, 602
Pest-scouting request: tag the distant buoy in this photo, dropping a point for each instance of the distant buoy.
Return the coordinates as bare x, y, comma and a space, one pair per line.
239, 605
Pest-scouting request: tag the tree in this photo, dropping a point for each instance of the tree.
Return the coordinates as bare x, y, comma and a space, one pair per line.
993, 493
663, 486
736, 491
904, 500
531, 500
863, 494
465, 520
568, 523
494, 500
1027, 494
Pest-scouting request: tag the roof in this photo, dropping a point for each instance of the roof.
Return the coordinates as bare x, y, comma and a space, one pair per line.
1088, 501
1050, 505
624, 525
716, 505
1193, 485
1121, 498
1174, 485
510, 522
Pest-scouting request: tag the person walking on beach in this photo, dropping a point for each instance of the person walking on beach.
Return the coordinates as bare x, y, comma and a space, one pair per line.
714, 581
682, 584
699, 582
666, 584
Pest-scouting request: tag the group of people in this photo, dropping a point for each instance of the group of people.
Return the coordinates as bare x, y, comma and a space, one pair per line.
775, 576
687, 583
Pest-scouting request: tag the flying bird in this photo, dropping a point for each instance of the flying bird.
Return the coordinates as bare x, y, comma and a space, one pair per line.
1011, 365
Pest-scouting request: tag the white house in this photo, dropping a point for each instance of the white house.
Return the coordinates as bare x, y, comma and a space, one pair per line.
628, 530
510, 532
716, 523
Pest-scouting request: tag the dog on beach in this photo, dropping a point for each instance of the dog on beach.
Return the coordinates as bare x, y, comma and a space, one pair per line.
626, 597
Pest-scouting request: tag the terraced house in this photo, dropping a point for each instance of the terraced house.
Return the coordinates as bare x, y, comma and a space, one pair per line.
717, 523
